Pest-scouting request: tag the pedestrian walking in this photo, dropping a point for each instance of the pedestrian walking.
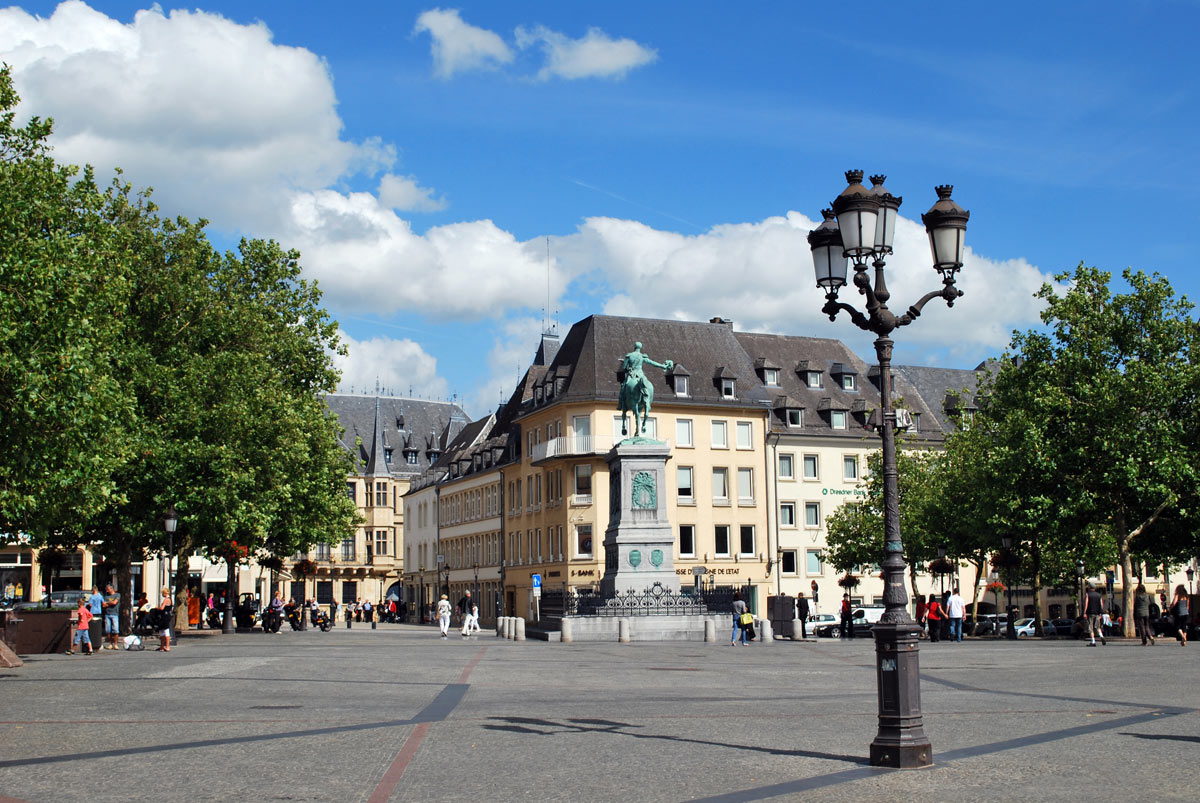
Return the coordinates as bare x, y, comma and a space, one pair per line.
82, 624
164, 621
802, 614
1179, 607
473, 621
1141, 614
955, 609
739, 609
1094, 611
443, 614
464, 611
935, 613
920, 614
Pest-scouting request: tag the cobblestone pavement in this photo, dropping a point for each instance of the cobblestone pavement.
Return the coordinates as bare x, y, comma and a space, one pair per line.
399, 714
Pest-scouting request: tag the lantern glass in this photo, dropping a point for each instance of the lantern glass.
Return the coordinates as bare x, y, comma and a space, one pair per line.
857, 225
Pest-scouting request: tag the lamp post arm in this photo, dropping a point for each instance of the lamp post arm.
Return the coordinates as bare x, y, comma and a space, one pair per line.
949, 292
833, 306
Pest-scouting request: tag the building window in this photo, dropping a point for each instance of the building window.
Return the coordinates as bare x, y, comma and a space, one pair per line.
812, 560
849, 467
583, 540
787, 514
786, 467
323, 554
719, 435
810, 467
349, 591
721, 535
745, 477
812, 514
814, 379
687, 539
683, 432
837, 419
685, 490
649, 429
352, 491
916, 422
727, 388
771, 377
849, 382
583, 480
347, 549
745, 434
324, 592
787, 562
582, 426
720, 485
795, 418
380, 494
381, 542
411, 456
681, 386
746, 545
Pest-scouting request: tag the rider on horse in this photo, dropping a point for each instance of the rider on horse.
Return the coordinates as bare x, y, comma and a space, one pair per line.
637, 394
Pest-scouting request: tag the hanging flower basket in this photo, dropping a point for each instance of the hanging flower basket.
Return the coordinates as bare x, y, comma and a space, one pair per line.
996, 587
272, 563
304, 568
52, 560
231, 553
941, 566
848, 581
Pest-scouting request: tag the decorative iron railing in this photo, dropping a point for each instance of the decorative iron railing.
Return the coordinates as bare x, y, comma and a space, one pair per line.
654, 601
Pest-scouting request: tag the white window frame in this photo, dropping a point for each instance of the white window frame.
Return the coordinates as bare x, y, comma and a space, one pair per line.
813, 380
721, 427
681, 386
746, 428
717, 541
587, 469
690, 499
790, 472
812, 506
723, 474
685, 427
849, 382
795, 417
787, 514
753, 539
727, 389
771, 377
744, 471
783, 556
848, 461
839, 419
580, 530
816, 464
683, 553
808, 554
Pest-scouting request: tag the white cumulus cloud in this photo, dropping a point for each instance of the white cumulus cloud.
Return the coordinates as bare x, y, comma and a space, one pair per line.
458, 46
223, 122
404, 194
595, 55
397, 367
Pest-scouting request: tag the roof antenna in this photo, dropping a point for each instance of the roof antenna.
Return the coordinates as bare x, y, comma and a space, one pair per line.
546, 330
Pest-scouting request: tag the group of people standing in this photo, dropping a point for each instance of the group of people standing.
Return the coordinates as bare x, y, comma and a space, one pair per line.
468, 612
934, 614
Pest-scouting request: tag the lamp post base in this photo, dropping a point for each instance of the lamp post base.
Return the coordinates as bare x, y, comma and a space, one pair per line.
901, 742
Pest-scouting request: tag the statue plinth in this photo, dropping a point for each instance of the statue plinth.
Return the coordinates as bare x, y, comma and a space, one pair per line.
639, 545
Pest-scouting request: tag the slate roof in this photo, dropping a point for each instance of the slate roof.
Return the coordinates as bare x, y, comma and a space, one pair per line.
941, 388
591, 354
384, 423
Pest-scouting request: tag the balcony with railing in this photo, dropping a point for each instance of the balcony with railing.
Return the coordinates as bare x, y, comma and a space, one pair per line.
573, 446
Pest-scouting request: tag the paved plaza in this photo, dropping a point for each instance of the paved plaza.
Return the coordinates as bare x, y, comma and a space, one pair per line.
398, 714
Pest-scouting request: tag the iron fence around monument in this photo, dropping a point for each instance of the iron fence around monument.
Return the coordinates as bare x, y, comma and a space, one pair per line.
654, 601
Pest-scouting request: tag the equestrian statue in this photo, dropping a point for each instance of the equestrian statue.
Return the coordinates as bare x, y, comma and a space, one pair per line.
637, 394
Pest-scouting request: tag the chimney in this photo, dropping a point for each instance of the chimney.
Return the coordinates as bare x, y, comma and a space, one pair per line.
719, 319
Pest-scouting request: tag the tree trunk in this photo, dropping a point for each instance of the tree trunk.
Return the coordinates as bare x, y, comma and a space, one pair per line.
912, 580
1123, 557
230, 593
979, 562
183, 547
122, 557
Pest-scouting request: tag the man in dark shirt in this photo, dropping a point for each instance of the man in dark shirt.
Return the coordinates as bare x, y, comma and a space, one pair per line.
1095, 615
464, 611
802, 614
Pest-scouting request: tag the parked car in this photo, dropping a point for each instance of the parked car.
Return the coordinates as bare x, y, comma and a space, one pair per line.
1068, 628
59, 600
987, 624
1025, 627
859, 621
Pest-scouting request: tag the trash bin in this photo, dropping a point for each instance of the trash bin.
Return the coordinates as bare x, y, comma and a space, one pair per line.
781, 611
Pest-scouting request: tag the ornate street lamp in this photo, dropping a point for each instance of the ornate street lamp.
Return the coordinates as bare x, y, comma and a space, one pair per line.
1190, 574
864, 227
1079, 575
170, 522
1009, 559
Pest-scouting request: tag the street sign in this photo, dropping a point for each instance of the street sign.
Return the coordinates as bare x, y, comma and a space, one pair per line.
699, 570
537, 585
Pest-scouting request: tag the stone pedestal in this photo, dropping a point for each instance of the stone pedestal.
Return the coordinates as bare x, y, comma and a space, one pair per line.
639, 545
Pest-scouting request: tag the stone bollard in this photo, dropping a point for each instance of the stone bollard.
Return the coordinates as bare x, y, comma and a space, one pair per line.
510, 627
500, 626
505, 627
519, 635
623, 631
797, 629
372, 624
710, 631
567, 634
765, 634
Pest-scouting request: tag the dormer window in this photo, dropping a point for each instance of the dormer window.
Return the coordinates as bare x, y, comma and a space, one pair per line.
837, 419
724, 379
411, 457
387, 455
849, 382
795, 418
813, 379
681, 385
771, 377
727, 388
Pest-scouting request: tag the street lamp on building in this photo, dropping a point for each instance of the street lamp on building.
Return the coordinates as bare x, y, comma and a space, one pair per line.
475, 592
859, 229
170, 522
1190, 574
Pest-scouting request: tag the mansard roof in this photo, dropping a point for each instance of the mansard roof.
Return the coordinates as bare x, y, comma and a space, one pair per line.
377, 425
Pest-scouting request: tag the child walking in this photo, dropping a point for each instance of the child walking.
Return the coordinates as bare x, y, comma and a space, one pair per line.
81, 629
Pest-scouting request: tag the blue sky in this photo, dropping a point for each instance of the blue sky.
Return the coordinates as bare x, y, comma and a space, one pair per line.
669, 157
